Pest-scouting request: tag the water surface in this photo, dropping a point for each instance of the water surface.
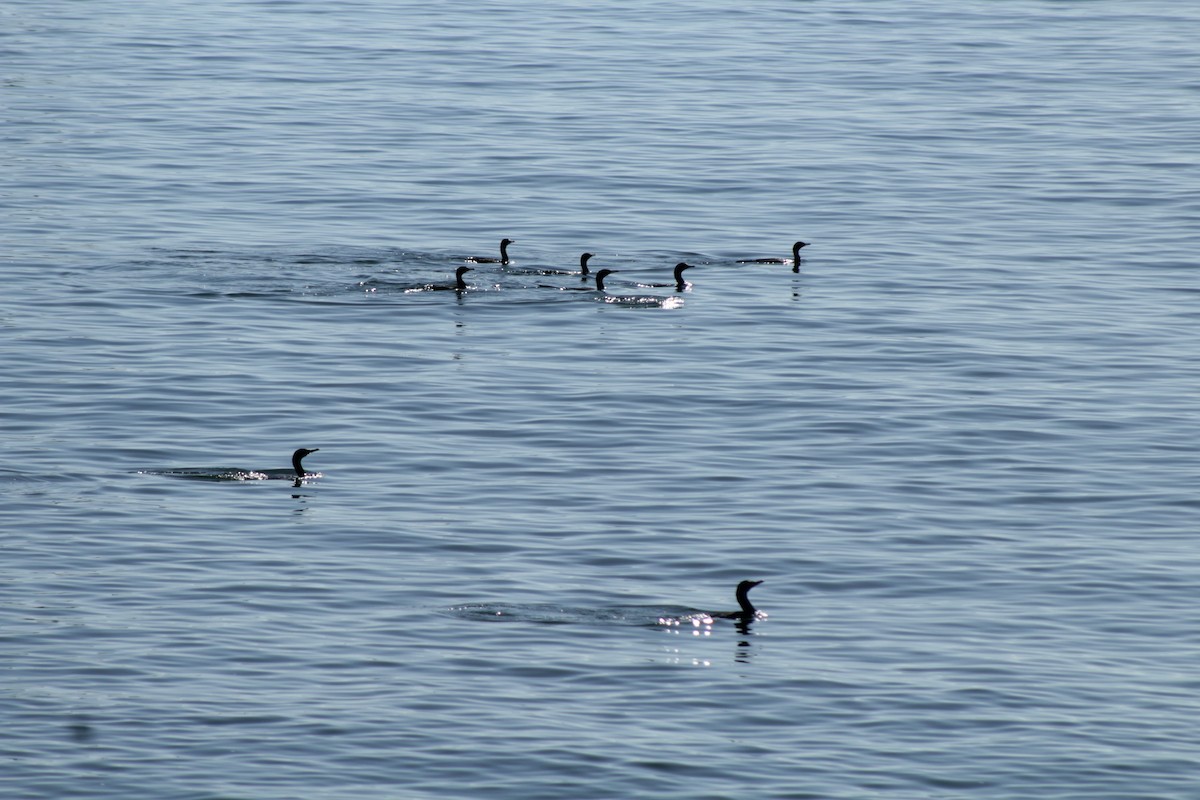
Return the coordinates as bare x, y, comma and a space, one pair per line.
958, 445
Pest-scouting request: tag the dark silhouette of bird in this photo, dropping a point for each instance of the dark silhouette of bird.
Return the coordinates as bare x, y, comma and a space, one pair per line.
746, 609
297, 457
795, 258
504, 243
459, 284
680, 284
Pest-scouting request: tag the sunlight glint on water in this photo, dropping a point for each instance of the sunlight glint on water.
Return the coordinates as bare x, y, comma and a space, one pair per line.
957, 445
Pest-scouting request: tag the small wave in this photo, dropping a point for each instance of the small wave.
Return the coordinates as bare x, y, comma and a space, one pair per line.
645, 302
550, 614
227, 474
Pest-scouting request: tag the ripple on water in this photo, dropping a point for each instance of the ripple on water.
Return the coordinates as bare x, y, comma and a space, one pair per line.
958, 442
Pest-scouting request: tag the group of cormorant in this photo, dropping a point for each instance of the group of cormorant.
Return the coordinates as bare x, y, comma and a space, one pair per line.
746, 610
460, 283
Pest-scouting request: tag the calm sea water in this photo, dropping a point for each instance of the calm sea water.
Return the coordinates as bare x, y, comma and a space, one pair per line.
958, 445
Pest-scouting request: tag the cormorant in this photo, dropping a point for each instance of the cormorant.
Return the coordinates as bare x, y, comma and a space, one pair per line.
795, 258
297, 457
747, 610
504, 243
459, 284
680, 284
601, 275
583, 269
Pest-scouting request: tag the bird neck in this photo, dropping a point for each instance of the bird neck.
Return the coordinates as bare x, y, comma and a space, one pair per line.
747, 607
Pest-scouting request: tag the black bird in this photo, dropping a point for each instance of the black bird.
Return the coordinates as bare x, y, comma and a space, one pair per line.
583, 269
460, 285
795, 258
680, 284
297, 457
747, 610
601, 275
296, 473
504, 243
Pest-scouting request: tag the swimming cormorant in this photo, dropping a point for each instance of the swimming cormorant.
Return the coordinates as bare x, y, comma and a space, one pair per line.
795, 258
297, 457
504, 243
680, 284
679, 281
583, 269
460, 285
601, 275
747, 610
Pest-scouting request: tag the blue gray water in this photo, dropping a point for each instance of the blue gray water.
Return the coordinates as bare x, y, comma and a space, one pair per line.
958, 445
